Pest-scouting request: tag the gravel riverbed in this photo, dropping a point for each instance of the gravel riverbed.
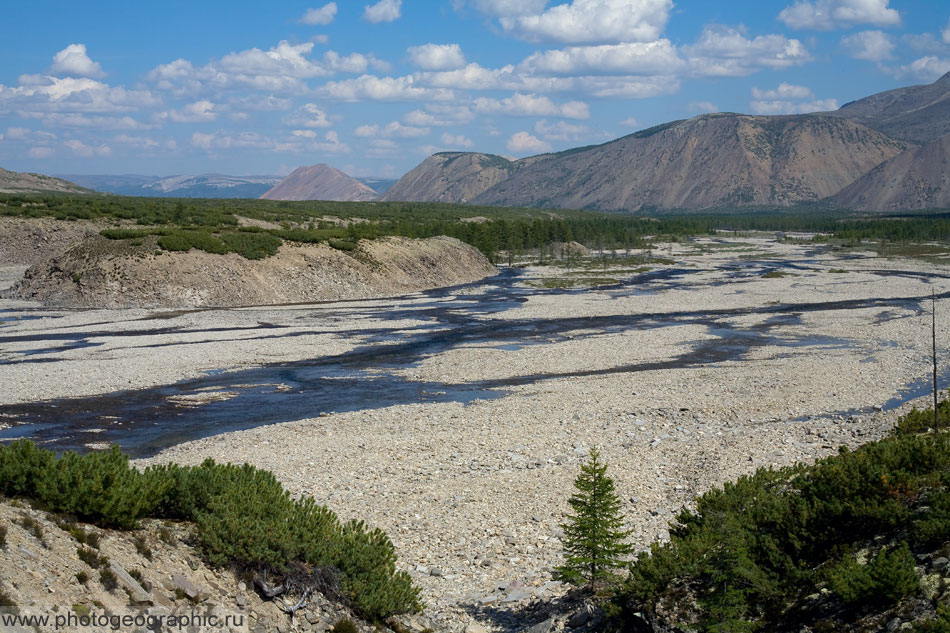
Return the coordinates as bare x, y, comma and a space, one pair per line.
743, 353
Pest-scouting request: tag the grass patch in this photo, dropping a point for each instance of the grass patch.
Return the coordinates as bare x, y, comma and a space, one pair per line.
32, 526
775, 274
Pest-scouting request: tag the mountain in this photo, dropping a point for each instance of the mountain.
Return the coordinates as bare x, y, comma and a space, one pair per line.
709, 161
920, 114
24, 182
200, 186
320, 182
379, 185
916, 179
452, 177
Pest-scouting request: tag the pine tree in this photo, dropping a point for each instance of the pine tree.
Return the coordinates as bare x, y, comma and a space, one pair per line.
594, 538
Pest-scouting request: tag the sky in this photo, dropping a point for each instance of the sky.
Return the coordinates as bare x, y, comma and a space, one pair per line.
373, 88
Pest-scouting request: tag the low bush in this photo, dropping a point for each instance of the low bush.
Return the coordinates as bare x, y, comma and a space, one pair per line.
886, 579
91, 557
252, 245
108, 579
129, 234
343, 245
3, 536
82, 577
32, 526
187, 240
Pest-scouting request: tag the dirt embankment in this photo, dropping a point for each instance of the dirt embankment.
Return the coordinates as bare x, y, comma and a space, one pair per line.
99, 273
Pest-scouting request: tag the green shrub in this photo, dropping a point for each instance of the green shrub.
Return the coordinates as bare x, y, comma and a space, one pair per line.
3, 536
130, 234
940, 624
142, 547
23, 466
921, 421
343, 245
187, 240
6, 600
345, 625
91, 557
82, 577
32, 526
252, 245
884, 580
108, 579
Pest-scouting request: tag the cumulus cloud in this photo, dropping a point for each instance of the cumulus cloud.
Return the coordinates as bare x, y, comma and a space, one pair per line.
64, 119
829, 14
456, 140
927, 68
383, 89
531, 105
437, 56
630, 122
524, 143
873, 46
726, 51
792, 107
561, 131
383, 11
703, 106
40, 93
607, 59
74, 61
784, 91
439, 115
308, 115
81, 149
324, 15
508, 8
40, 152
593, 22
197, 112
390, 130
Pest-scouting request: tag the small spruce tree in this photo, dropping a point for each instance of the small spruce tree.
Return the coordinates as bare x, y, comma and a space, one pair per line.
594, 538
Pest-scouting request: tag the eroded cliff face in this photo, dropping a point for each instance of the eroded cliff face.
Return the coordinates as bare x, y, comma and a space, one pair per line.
706, 162
101, 273
452, 177
916, 179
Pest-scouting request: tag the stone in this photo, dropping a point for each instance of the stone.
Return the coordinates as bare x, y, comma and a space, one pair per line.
190, 589
580, 618
517, 595
136, 592
940, 563
475, 628
542, 627
241, 600
27, 552
437, 572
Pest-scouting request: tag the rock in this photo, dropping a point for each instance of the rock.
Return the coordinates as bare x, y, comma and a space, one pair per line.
580, 618
893, 625
542, 627
475, 628
437, 572
136, 592
27, 552
241, 600
931, 585
517, 595
940, 563
190, 589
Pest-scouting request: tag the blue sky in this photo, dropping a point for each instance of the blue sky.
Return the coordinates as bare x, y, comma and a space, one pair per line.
374, 87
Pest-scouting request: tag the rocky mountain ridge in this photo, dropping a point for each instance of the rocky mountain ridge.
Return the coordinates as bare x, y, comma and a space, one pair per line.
320, 182
26, 182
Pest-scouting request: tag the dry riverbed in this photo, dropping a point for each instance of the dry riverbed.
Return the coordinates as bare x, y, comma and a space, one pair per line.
743, 353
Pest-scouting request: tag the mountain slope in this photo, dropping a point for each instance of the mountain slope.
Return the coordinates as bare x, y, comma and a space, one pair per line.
320, 182
919, 114
704, 162
24, 182
916, 179
451, 177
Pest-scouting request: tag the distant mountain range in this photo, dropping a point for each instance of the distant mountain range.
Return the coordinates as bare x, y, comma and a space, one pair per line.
724, 160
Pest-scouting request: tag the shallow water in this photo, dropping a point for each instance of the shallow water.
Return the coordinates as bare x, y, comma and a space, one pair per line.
145, 421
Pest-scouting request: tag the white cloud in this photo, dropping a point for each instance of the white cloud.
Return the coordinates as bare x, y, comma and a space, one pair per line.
74, 61
323, 15
945, 33
608, 59
197, 112
703, 106
531, 105
439, 115
726, 51
138, 142
390, 130
353, 63
873, 46
18, 132
382, 89
594, 21
456, 140
630, 122
40, 93
829, 14
58, 119
927, 68
224, 140
524, 143
561, 131
308, 115
81, 149
437, 56
784, 91
791, 107
383, 11
260, 103
304, 133
40, 152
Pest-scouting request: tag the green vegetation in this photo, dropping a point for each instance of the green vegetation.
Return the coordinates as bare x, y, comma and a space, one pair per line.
82, 577
142, 547
32, 526
345, 625
108, 579
752, 551
3, 537
775, 274
594, 538
243, 515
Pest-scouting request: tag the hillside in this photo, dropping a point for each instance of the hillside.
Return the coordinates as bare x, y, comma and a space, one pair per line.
919, 114
320, 182
918, 178
705, 162
182, 186
98, 272
451, 177
14, 182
